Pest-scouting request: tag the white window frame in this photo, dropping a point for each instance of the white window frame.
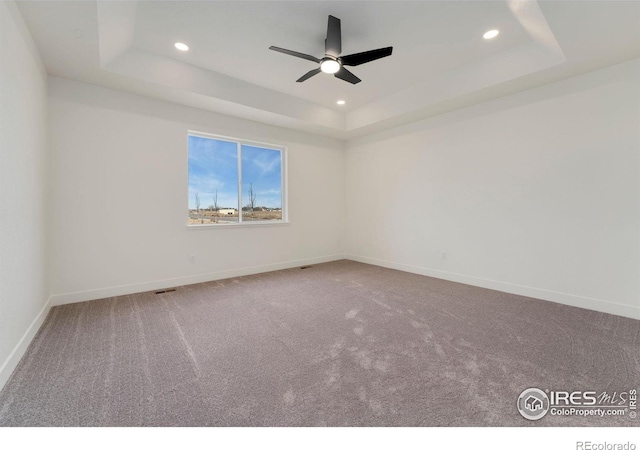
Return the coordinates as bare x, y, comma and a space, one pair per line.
283, 181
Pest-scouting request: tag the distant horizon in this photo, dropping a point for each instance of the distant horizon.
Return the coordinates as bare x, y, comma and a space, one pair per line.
208, 208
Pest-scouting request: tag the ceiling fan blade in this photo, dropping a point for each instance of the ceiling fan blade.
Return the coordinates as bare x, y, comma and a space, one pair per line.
308, 75
297, 54
345, 75
360, 58
333, 43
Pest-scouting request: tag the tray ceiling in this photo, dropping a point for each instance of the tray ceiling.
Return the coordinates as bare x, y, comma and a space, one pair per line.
440, 60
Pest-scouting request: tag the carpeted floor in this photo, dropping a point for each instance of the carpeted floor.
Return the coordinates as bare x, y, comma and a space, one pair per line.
336, 344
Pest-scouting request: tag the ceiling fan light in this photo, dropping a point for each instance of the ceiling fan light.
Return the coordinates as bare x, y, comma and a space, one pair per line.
329, 66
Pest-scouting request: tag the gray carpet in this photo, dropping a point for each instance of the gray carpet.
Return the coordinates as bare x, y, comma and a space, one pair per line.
338, 344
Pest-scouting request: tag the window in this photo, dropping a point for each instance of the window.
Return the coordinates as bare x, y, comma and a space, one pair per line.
233, 181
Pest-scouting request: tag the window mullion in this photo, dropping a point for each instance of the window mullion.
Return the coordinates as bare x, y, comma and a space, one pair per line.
239, 182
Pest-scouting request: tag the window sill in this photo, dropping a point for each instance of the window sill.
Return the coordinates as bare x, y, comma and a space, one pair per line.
208, 226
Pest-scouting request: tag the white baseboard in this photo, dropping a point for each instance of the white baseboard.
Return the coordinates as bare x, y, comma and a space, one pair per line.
96, 294
10, 364
604, 306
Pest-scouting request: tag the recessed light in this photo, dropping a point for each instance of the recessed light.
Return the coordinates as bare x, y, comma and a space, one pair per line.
491, 34
341, 102
181, 46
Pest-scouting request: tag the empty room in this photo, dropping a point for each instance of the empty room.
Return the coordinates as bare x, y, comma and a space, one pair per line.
329, 214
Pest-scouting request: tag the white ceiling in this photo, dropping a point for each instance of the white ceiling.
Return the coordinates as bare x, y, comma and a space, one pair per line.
233, 39
440, 60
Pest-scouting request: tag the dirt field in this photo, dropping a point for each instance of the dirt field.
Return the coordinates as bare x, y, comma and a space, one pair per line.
209, 217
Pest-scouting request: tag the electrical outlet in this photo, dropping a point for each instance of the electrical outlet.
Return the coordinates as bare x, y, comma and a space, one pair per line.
444, 256
192, 259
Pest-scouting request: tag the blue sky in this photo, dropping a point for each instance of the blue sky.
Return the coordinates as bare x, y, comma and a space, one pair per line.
213, 164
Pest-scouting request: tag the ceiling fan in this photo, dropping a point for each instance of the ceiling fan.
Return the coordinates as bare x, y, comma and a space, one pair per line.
332, 61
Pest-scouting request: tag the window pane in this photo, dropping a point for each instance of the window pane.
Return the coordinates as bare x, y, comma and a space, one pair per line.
261, 184
213, 181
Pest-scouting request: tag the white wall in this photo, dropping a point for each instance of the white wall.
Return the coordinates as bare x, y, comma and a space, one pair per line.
23, 161
120, 197
537, 193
